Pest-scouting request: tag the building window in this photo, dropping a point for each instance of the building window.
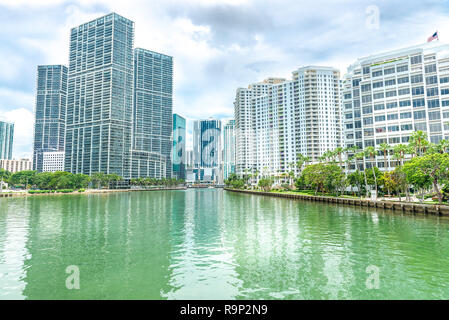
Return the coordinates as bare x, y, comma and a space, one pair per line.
393, 116
430, 68
433, 103
416, 78
419, 114
416, 59
417, 91
418, 103
434, 115
379, 107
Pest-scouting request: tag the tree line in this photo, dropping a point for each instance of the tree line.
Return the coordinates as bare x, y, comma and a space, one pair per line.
419, 168
61, 180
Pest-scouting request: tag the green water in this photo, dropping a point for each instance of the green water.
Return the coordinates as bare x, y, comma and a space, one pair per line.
213, 244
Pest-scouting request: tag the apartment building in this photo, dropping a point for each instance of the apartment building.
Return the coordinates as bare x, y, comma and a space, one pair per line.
50, 113
278, 119
14, 166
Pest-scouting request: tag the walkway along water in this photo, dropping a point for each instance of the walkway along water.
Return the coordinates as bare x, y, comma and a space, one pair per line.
391, 205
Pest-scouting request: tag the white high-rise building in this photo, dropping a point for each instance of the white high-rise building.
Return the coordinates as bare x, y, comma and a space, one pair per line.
278, 119
387, 96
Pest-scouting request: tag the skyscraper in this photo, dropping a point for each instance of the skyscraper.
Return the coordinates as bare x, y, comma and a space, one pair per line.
278, 119
152, 113
207, 149
390, 95
229, 149
6, 140
179, 147
100, 97
50, 112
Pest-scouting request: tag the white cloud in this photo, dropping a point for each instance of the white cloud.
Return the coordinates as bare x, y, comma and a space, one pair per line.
23, 120
10, 98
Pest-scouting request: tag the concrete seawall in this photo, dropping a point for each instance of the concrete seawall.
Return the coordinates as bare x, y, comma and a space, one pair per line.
388, 205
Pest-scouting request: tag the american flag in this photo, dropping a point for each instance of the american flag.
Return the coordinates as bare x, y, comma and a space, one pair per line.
433, 37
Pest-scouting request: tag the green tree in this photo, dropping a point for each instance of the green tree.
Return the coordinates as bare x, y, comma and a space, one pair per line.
385, 148
371, 152
265, 183
418, 140
356, 180
22, 178
436, 165
4, 176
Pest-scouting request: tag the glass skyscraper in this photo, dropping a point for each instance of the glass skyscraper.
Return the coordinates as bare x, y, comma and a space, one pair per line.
229, 149
100, 97
206, 143
152, 112
50, 112
6, 140
179, 147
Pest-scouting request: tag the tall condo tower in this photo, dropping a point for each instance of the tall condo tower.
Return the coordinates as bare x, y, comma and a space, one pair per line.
278, 119
229, 149
50, 113
152, 114
179, 147
100, 97
6, 140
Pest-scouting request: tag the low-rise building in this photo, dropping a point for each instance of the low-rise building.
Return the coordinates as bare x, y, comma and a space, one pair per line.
16, 165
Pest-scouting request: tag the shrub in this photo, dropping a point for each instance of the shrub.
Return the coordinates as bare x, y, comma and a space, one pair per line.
81, 190
39, 191
64, 190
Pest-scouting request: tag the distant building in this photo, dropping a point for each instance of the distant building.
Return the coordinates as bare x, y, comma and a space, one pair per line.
16, 165
229, 149
189, 158
53, 161
179, 147
6, 140
50, 113
207, 149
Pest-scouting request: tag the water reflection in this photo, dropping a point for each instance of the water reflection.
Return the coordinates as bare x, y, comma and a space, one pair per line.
211, 244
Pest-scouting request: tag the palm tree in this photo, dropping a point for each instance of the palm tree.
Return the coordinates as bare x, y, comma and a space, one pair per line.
385, 147
418, 139
339, 151
371, 152
361, 156
401, 150
444, 145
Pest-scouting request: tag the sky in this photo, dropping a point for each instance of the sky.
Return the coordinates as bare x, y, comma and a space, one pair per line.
217, 46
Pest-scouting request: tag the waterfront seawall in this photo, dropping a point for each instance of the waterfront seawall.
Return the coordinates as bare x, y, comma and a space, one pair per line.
434, 209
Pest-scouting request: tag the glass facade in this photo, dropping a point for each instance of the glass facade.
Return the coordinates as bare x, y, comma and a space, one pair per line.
229, 149
6, 140
179, 147
50, 112
100, 97
153, 106
206, 143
